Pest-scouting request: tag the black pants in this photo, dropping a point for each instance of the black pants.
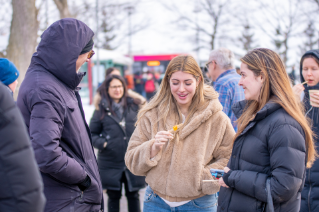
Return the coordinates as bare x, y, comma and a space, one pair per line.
113, 203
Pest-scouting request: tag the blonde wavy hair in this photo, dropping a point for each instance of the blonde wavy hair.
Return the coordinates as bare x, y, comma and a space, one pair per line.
164, 100
276, 87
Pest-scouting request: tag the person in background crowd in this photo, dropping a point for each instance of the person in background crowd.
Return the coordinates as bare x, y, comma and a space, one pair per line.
112, 71
177, 162
238, 70
292, 75
112, 125
150, 86
21, 184
273, 143
225, 80
309, 72
8, 74
129, 80
130, 93
52, 109
139, 83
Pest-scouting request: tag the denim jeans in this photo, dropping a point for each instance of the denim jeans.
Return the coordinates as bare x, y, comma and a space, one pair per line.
153, 203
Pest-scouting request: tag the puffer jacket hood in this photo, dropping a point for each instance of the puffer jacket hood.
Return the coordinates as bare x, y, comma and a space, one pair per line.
60, 47
314, 53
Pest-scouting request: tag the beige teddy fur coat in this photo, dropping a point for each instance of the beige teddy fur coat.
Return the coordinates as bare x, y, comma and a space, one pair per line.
178, 170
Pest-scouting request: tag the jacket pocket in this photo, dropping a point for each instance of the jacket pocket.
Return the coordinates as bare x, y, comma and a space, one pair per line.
93, 194
149, 194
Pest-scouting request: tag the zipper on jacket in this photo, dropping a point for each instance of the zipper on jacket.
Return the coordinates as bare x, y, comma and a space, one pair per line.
309, 191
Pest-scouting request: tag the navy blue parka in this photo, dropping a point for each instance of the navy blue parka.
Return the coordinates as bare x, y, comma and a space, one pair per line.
53, 113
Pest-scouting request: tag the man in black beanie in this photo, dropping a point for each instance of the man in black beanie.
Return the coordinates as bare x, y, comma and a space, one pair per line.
54, 116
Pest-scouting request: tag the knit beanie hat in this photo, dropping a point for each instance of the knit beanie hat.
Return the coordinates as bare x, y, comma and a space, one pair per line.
8, 72
88, 47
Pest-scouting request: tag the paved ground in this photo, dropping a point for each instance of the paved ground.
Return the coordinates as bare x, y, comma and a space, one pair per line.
123, 203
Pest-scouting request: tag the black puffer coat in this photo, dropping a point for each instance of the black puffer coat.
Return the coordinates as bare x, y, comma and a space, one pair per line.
310, 193
272, 146
111, 158
21, 184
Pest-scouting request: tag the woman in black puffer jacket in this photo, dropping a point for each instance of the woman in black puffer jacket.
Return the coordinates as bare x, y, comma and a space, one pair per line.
309, 71
273, 143
112, 125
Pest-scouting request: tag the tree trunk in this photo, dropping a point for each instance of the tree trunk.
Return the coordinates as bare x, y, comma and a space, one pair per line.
23, 36
63, 8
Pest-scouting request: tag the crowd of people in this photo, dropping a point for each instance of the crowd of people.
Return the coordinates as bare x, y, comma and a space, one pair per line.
255, 127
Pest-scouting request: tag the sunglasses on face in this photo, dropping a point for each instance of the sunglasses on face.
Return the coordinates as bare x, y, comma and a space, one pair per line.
91, 53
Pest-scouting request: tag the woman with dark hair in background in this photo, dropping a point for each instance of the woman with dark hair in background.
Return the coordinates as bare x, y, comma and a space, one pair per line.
309, 72
273, 144
112, 125
130, 93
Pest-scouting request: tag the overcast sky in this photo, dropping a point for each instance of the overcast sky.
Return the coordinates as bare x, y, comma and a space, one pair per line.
163, 36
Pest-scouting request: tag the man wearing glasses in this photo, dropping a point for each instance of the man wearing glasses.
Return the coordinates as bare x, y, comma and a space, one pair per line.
51, 106
225, 80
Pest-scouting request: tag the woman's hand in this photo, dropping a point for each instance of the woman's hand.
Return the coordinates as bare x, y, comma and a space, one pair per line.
221, 180
315, 99
298, 89
160, 139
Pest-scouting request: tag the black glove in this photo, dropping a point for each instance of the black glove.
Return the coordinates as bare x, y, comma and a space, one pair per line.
85, 183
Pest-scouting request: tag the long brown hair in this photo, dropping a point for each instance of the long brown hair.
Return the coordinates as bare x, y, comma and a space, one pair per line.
164, 100
276, 87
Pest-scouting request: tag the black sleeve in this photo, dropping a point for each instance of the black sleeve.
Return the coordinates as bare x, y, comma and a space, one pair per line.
21, 182
287, 161
96, 128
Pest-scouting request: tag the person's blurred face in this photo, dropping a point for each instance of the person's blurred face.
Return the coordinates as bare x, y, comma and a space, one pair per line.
211, 67
13, 85
116, 90
250, 83
183, 86
81, 60
116, 72
310, 71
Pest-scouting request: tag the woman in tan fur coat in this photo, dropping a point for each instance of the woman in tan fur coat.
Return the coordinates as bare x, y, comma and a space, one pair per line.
176, 163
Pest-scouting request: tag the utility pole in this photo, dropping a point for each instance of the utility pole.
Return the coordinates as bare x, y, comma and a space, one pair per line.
130, 11
97, 35
196, 11
47, 13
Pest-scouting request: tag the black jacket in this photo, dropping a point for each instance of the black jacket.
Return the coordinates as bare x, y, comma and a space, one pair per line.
310, 193
271, 146
111, 158
53, 113
21, 184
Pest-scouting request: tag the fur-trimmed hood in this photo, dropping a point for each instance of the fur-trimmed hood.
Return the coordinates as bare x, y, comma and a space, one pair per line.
130, 93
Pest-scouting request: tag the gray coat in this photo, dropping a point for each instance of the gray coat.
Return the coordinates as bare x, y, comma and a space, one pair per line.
53, 113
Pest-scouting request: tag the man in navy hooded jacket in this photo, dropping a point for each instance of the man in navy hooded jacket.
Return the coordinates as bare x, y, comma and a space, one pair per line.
53, 113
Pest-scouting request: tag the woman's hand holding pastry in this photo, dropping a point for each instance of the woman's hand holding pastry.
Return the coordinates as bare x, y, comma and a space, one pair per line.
160, 139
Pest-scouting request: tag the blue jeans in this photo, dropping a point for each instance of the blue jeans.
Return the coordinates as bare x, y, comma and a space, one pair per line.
153, 203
